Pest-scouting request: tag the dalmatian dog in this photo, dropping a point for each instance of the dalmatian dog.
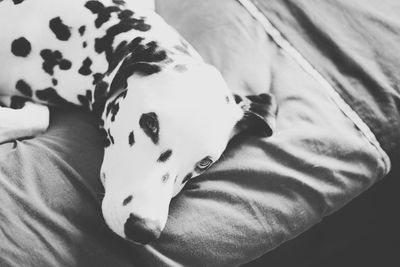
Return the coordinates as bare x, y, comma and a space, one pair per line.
165, 114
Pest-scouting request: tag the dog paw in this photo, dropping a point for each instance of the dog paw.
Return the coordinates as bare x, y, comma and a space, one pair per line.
29, 121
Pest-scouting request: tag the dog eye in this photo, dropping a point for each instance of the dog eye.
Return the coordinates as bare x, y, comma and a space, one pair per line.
204, 164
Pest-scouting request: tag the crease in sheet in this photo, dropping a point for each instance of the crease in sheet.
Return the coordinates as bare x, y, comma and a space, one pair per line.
278, 38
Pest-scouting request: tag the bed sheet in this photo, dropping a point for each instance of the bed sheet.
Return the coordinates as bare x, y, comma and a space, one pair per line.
354, 45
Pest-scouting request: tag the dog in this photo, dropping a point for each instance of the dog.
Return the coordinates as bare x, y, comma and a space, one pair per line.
166, 115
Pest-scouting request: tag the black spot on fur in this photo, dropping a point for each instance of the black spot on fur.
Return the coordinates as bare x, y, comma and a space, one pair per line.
122, 50
165, 178
238, 99
65, 64
125, 14
122, 94
16, 2
21, 47
150, 125
101, 89
52, 59
84, 102
85, 68
258, 116
259, 104
51, 96
140, 59
165, 156
89, 95
118, 55
105, 43
18, 102
260, 99
120, 80
82, 30
127, 200
84, 44
138, 24
187, 177
150, 52
227, 99
100, 96
24, 88
113, 106
54, 81
97, 77
119, 2
103, 13
61, 31
131, 139
110, 136
86, 99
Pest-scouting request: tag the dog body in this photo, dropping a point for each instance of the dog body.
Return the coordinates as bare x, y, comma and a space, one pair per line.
56, 52
165, 114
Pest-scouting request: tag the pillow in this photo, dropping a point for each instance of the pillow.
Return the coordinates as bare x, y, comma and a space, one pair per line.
263, 191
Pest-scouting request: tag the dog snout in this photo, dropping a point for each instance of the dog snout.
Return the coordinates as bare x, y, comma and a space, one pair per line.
142, 230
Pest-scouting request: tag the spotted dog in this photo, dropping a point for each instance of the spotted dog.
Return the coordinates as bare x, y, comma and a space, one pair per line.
166, 115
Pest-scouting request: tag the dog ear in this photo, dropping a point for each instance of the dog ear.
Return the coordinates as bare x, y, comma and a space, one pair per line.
259, 114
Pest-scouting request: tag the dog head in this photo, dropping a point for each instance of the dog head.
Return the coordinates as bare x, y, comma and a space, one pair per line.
164, 129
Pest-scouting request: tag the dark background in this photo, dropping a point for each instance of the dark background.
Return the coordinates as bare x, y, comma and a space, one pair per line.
366, 232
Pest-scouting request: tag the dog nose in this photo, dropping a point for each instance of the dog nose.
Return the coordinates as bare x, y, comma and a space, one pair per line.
140, 230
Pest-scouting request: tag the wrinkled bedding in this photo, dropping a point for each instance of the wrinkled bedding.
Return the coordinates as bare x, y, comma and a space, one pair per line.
262, 193
355, 46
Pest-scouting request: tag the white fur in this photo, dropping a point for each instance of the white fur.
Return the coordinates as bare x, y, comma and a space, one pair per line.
195, 118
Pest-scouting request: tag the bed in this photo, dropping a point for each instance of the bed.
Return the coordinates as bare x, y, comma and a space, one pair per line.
337, 135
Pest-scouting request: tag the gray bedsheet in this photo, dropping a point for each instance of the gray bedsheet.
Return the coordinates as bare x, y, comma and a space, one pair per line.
355, 45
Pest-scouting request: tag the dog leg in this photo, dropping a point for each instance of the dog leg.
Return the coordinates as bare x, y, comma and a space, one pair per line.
28, 121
